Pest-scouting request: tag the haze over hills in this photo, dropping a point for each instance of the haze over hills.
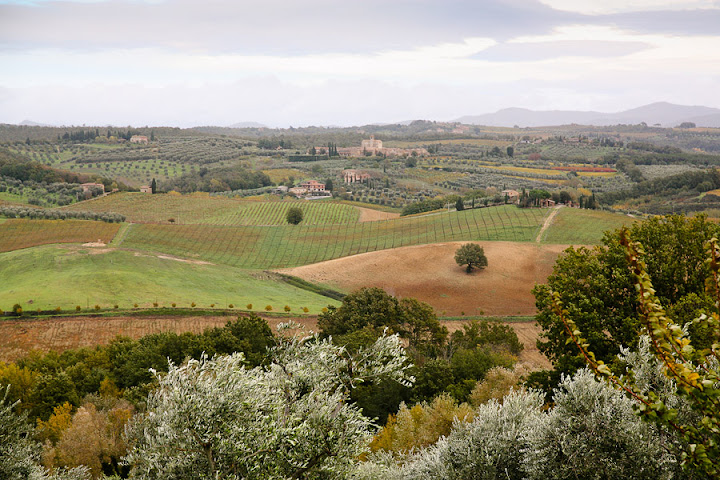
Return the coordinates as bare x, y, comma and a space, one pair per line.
660, 113
663, 113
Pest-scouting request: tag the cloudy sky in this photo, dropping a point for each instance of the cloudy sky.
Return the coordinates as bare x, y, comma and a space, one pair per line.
347, 62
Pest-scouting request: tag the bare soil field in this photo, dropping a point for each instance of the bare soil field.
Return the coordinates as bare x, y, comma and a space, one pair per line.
63, 333
430, 274
370, 215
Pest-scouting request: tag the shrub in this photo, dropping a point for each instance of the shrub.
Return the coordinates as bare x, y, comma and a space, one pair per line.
249, 306
155, 304
268, 307
294, 215
192, 305
58, 309
173, 304
135, 305
17, 309
77, 308
287, 308
231, 306
116, 306
305, 309
97, 307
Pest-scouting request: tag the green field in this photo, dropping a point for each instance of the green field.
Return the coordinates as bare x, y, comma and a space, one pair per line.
131, 269
204, 209
583, 227
294, 245
65, 276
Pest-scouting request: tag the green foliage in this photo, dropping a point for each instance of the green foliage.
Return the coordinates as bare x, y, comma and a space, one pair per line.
294, 215
472, 255
694, 371
19, 454
52, 379
373, 308
594, 285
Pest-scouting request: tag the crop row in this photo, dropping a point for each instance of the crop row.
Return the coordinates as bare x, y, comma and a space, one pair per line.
216, 210
21, 233
288, 246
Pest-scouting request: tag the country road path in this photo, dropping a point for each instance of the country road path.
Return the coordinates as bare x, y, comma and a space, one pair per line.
547, 223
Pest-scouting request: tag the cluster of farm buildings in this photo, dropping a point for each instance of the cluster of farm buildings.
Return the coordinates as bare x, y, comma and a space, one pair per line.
373, 146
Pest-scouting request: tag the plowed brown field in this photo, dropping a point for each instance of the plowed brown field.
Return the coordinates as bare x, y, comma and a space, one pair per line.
63, 333
429, 273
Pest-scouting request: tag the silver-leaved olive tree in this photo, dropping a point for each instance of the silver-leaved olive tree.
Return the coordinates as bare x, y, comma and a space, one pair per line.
217, 419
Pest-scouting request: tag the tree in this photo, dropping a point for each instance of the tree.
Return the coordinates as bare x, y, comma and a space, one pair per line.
329, 184
371, 310
459, 205
153, 186
510, 151
472, 255
594, 285
294, 215
694, 372
214, 418
19, 454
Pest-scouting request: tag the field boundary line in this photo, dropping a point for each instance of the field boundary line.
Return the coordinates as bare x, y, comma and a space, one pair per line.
547, 223
120, 235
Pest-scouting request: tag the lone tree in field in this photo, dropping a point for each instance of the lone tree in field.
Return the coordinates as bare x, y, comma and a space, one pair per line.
294, 215
472, 255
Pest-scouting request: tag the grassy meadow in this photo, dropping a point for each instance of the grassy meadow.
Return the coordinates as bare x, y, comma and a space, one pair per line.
218, 248
582, 227
65, 276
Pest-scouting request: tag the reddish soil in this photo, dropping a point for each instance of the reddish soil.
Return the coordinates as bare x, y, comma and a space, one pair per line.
63, 333
429, 273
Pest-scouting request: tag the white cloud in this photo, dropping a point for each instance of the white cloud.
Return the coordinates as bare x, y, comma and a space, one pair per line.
604, 7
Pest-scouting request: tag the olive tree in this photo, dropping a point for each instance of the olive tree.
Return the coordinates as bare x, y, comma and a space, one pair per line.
216, 418
472, 255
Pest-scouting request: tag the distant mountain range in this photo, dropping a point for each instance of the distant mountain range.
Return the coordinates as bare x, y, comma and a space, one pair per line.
662, 113
30, 123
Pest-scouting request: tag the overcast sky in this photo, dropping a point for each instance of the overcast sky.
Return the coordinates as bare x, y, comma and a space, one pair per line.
348, 62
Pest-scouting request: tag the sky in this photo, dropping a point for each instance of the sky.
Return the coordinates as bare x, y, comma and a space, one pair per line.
347, 62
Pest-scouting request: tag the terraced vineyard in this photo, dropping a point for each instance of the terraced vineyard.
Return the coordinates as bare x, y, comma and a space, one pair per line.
16, 233
261, 247
219, 210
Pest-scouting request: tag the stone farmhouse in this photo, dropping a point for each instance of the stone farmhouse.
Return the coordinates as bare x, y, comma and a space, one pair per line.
139, 139
513, 196
313, 186
145, 189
